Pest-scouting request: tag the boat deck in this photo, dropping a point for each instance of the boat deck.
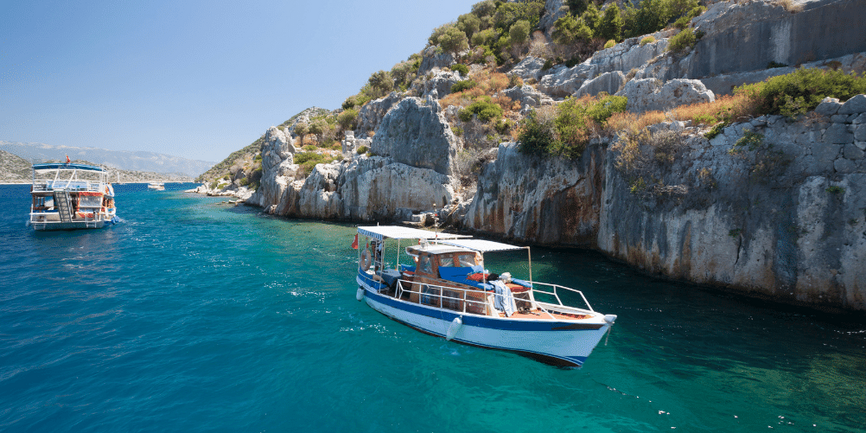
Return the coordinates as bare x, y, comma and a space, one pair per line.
536, 315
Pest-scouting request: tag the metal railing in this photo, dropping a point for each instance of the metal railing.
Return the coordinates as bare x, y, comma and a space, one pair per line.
438, 298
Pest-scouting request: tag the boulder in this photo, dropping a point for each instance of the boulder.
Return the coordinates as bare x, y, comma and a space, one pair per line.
527, 96
855, 105
529, 68
565, 81
440, 83
430, 59
650, 94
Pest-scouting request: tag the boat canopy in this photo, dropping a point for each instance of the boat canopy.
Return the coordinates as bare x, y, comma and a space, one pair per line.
65, 166
480, 245
400, 232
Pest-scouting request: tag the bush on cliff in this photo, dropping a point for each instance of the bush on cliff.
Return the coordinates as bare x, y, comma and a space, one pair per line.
309, 160
566, 129
484, 108
682, 41
802, 90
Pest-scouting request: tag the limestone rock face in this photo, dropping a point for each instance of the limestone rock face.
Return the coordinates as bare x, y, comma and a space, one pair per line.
623, 57
278, 168
528, 68
432, 60
733, 29
528, 97
371, 113
440, 84
416, 133
553, 10
650, 94
784, 220
609, 82
550, 201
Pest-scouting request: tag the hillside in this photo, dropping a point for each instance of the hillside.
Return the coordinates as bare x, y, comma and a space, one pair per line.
14, 168
139, 161
721, 143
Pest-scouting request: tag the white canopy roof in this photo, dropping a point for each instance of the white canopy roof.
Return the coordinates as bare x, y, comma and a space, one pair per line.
481, 245
400, 232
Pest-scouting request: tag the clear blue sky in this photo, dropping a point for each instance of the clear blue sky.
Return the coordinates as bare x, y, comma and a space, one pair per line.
197, 79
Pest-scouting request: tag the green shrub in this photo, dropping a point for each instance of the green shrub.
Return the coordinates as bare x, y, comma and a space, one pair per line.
309, 160
567, 132
647, 40
547, 65
362, 150
483, 108
682, 41
537, 135
458, 131
715, 130
347, 118
836, 190
802, 90
611, 23
461, 68
309, 148
463, 85
609, 44
682, 22
752, 140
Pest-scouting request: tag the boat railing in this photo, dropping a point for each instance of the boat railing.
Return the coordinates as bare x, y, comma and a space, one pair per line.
77, 185
435, 295
554, 293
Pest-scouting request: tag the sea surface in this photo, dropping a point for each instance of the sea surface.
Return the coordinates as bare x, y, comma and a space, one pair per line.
194, 315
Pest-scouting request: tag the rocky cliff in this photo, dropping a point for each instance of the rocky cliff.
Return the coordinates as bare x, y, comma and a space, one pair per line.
783, 216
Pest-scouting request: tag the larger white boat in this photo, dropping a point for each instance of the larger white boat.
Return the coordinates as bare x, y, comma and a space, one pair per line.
440, 286
70, 196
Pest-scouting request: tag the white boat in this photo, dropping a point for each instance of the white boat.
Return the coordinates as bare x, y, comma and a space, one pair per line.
71, 196
439, 286
156, 186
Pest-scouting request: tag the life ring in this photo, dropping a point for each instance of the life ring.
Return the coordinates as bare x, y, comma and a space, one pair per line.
365, 260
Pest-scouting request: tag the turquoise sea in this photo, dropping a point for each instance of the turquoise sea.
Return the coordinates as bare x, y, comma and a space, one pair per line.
197, 316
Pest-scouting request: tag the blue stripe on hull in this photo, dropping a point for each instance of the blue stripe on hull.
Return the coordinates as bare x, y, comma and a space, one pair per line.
482, 322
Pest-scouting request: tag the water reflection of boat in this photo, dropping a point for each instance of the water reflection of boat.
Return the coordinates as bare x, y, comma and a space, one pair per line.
156, 186
71, 196
447, 292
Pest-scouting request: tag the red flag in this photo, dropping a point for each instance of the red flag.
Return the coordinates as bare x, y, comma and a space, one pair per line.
67, 159
355, 242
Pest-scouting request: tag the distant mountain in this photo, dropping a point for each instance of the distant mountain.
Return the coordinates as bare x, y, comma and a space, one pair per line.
126, 160
13, 168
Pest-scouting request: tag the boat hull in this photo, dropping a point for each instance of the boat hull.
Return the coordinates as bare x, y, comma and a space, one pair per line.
556, 342
74, 225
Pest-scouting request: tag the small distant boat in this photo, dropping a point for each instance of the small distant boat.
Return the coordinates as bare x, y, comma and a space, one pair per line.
445, 291
71, 196
156, 186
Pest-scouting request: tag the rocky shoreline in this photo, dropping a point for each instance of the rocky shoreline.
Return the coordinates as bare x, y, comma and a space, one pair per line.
783, 219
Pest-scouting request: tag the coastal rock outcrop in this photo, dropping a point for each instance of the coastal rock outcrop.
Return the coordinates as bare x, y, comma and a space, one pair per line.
547, 200
416, 133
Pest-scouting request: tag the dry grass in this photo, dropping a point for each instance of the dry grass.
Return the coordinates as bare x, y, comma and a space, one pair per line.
634, 123
488, 83
790, 6
727, 108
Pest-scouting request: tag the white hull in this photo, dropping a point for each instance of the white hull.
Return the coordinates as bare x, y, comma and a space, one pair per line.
563, 343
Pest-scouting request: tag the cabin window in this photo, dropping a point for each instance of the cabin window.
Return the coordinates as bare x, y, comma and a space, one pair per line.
466, 260
425, 266
446, 260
